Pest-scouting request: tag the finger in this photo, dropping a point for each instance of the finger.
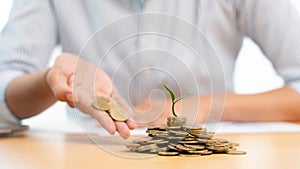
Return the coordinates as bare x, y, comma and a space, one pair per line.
124, 105
105, 121
123, 129
131, 125
71, 104
59, 84
71, 80
70, 98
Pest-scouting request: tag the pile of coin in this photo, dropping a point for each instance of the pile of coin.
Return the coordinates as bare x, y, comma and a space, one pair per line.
174, 140
115, 111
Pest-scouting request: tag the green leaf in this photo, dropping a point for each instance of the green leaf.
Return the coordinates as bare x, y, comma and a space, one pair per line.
181, 97
169, 90
178, 99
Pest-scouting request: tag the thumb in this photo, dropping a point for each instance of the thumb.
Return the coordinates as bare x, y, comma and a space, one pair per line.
58, 83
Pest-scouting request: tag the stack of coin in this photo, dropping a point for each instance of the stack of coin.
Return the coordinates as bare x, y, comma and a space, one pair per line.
116, 111
182, 140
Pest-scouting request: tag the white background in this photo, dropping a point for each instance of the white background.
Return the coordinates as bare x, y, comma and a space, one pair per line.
260, 79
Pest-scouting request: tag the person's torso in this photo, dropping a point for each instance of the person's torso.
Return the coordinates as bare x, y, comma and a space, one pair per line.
139, 43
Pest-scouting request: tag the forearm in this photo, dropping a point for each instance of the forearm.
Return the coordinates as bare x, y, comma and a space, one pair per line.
29, 94
278, 105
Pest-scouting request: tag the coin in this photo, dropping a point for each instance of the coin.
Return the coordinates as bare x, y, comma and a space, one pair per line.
189, 155
236, 152
172, 147
160, 128
182, 140
198, 152
189, 142
118, 113
178, 133
101, 103
197, 147
158, 150
175, 128
115, 111
177, 138
196, 128
206, 153
142, 139
133, 145
189, 139
183, 148
166, 153
147, 147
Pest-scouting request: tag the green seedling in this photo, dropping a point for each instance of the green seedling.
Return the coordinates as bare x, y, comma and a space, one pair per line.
174, 100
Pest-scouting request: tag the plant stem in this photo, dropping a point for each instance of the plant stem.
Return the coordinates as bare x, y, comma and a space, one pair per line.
173, 109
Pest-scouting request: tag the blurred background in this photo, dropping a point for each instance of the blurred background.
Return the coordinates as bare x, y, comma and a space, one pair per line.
261, 77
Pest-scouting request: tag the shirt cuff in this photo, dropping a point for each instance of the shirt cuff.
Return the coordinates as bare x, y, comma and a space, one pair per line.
295, 85
5, 113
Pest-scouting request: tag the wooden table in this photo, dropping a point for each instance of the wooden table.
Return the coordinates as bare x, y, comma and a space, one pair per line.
40, 150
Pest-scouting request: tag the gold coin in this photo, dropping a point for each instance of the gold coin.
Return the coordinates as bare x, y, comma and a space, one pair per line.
196, 128
175, 128
198, 152
197, 147
195, 141
189, 155
133, 145
166, 153
142, 140
236, 152
206, 152
189, 139
183, 148
188, 142
118, 113
101, 103
155, 141
147, 147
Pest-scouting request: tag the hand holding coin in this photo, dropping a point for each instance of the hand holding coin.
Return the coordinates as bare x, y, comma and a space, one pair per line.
116, 111
74, 80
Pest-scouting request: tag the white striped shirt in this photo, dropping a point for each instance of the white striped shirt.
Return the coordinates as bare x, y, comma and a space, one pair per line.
35, 27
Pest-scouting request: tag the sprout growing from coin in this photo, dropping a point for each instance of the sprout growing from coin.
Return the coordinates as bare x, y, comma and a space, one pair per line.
178, 139
174, 99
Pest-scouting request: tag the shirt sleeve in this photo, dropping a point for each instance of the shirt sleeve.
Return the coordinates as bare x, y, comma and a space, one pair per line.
5, 114
274, 26
26, 43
